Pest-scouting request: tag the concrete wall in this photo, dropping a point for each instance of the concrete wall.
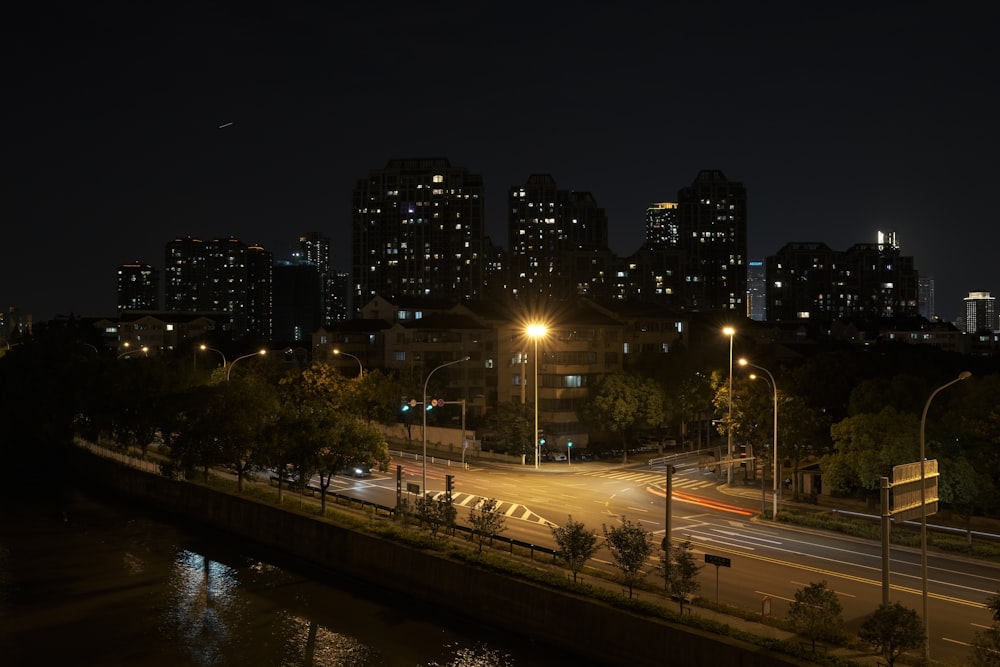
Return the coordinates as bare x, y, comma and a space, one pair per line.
589, 631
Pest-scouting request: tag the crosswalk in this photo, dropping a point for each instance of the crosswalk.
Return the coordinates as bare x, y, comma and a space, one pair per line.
651, 478
510, 510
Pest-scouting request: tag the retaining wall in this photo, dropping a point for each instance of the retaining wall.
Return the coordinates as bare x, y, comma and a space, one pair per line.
590, 630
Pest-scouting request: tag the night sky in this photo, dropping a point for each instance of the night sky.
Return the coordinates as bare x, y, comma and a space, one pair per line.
840, 119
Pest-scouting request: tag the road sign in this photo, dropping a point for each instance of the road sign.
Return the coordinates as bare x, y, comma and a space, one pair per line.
412, 488
717, 560
906, 490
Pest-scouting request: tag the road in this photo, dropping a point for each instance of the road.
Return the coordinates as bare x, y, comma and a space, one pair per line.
767, 560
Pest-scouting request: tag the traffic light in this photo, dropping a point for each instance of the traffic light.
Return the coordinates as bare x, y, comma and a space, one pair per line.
449, 485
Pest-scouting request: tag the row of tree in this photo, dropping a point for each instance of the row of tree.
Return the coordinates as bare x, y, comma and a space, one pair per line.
855, 411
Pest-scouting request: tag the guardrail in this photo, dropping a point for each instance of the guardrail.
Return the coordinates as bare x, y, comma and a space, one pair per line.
339, 498
935, 527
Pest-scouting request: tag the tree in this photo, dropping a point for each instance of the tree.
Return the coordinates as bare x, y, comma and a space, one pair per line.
614, 405
511, 424
893, 629
435, 513
630, 547
576, 544
816, 613
486, 521
993, 604
986, 647
867, 446
681, 572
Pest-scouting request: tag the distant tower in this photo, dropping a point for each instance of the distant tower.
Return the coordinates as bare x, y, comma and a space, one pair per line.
259, 292
980, 312
712, 222
296, 301
138, 287
925, 297
756, 291
315, 248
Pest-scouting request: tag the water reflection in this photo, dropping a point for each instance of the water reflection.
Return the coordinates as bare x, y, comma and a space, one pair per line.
89, 584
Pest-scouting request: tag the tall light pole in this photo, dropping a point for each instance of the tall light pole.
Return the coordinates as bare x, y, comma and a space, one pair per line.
245, 356
964, 375
143, 349
361, 369
774, 442
204, 347
730, 331
423, 483
536, 331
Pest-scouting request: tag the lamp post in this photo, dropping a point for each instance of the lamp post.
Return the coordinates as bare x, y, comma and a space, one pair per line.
204, 347
361, 369
730, 331
536, 331
923, 512
774, 443
143, 349
423, 483
245, 356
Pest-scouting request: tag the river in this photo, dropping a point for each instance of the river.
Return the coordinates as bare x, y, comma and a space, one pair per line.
85, 582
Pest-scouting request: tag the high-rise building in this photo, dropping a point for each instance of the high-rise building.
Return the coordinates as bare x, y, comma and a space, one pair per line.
925, 298
712, 230
868, 280
662, 229
221, 276
138, 287
653, 273
558, 241
980, 312
259, 293
315, 248
418, 230
756, 291
296, 301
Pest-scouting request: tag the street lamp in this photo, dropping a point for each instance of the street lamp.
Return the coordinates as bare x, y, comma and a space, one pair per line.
204, 347
964, 375
774, 444
144, 349
245, 356
730, 331
536, 331
361, 369
423, 487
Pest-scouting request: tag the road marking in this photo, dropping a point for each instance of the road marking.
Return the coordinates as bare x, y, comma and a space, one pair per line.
775, 596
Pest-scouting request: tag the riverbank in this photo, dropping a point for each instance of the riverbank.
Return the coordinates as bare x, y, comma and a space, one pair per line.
587, 626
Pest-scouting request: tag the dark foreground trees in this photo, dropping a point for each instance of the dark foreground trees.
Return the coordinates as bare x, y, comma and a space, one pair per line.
893, 629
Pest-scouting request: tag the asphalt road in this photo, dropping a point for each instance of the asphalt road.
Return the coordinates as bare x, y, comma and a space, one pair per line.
766, 560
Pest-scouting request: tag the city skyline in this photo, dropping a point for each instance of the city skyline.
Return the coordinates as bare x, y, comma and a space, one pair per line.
212, 122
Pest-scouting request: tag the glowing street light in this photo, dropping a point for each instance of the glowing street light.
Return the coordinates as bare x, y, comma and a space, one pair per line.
423, 487
774, 444
361, 369
204, 347
536, 331
245, 356
144, 349
730, 331
964, 375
